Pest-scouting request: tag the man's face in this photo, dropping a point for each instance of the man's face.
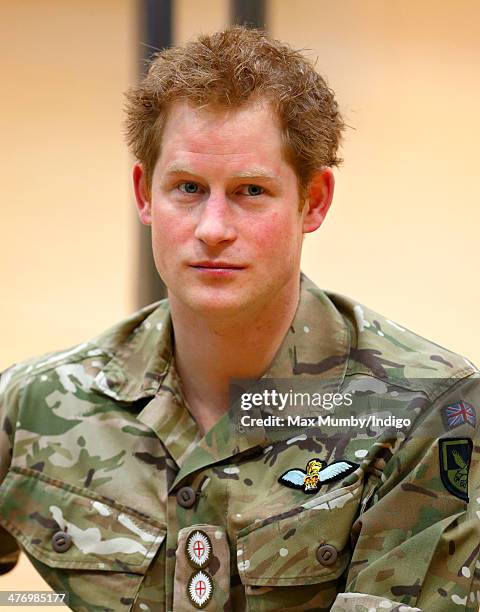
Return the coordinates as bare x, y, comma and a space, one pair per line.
226, 228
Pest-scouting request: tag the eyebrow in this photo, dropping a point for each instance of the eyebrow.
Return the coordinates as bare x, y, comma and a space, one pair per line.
255, 173
251, 173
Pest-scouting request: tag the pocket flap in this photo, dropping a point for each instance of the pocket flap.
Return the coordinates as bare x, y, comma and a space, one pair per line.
101, 533
306, 545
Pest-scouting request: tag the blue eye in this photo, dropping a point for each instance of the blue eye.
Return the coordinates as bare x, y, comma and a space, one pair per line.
254, 190
188, 187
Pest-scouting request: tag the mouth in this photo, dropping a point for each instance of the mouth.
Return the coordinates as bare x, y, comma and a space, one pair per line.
217, 268
216, 265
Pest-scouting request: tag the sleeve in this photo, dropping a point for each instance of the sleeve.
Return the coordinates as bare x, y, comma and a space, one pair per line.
416, 546
9, 550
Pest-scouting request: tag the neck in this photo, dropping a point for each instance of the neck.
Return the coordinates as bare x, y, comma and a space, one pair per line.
210, 351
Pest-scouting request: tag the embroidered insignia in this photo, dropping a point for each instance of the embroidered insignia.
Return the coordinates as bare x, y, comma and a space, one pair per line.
317, 474
455, 454
198, 549
458, 414
200, 589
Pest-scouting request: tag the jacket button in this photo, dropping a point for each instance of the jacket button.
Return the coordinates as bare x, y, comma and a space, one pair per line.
327, 554
186, 497
61, 541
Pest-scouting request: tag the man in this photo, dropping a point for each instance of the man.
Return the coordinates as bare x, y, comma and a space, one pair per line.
132, 481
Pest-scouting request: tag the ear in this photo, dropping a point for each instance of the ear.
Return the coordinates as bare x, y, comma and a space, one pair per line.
142, 195
318, 200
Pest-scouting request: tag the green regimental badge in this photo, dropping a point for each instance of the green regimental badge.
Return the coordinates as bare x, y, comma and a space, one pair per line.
455, 454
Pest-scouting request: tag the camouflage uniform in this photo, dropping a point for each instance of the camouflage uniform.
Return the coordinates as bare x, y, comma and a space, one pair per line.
108, 486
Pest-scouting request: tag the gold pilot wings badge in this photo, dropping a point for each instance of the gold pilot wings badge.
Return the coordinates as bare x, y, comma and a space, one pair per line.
316, 474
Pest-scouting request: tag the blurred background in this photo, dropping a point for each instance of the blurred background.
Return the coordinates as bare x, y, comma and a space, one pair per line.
401, 237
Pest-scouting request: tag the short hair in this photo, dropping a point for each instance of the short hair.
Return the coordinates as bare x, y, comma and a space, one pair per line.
225, 70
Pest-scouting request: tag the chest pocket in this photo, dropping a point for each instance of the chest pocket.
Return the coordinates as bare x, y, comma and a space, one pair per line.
306, 547
96, 550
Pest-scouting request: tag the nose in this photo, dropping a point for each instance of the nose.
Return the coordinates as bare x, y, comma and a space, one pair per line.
215, 224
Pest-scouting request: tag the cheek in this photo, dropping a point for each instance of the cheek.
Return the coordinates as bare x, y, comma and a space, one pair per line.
277, 234
168, 236
169, 229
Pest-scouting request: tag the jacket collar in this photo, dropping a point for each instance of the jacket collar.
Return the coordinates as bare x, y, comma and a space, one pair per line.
316, 345
313, 357
315, 348
142, 350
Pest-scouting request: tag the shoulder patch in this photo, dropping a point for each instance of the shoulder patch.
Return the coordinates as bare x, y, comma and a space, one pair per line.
457, 414
455, 454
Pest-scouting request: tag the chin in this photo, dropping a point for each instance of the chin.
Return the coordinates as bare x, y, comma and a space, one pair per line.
217, 302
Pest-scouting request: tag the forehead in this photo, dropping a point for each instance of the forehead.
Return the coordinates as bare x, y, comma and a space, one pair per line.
246, 134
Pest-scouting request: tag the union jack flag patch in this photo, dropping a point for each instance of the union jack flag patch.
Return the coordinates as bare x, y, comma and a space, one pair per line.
457, 414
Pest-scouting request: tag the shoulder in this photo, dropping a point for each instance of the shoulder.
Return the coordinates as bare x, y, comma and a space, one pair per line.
391, 352
71, 370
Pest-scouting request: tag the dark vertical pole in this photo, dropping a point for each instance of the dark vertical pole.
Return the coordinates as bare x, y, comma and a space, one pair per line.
155, 33
248, 12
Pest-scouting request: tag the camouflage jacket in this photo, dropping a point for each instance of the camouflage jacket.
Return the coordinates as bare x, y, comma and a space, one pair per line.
114, 496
